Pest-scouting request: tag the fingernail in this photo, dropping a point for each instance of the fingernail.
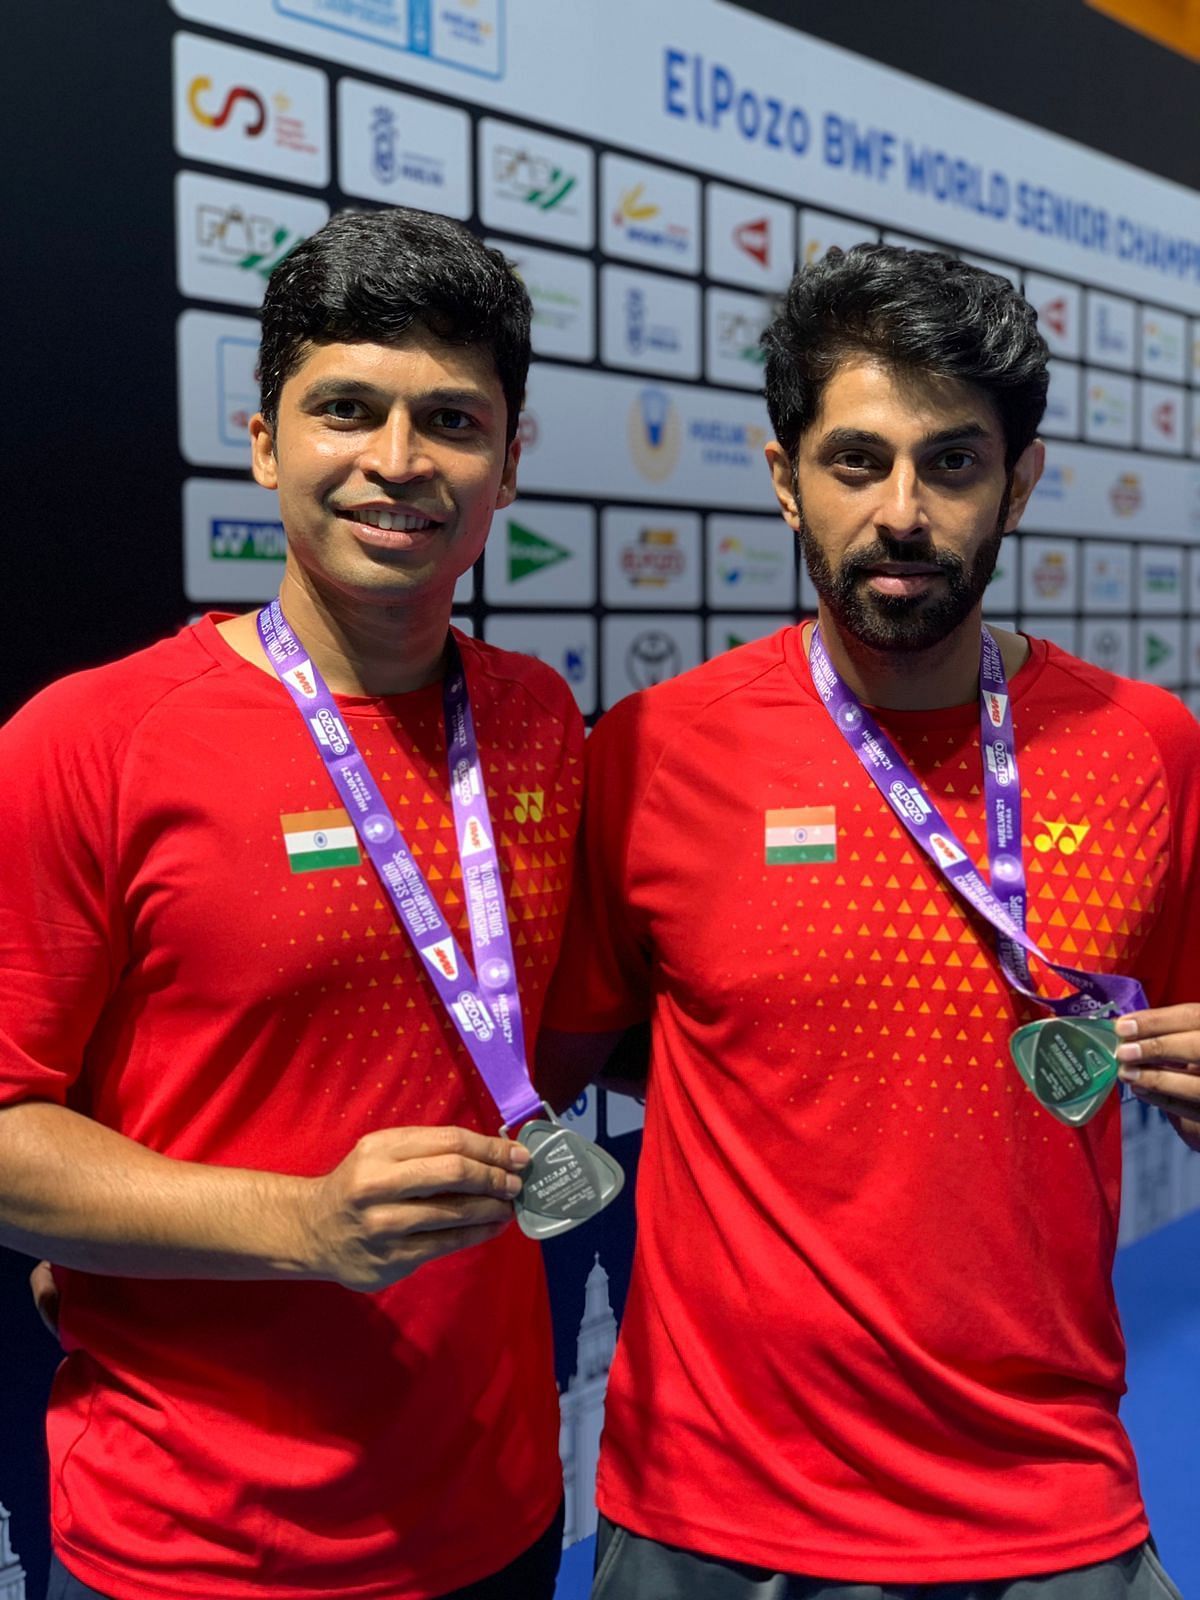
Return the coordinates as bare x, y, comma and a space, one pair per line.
513, 1184
1128, 1052
1129, 1074
519, 1156
1126, 1027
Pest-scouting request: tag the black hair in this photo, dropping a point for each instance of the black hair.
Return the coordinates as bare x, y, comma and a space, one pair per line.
920, 312
374, 275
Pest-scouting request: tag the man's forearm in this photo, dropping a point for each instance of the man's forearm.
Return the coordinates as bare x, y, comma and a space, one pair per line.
83, 1196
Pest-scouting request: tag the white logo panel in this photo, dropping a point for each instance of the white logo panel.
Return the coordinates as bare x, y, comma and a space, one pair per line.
650, 214
233, 541
1196, 353
1108, 408
1061, 631
662, 442
1160, 579
749, 240
229, 235
532, 183
541, 553
751, 564
562, 290
819, 232
1108, 643
724, 631
240, 108
1048, 571
1000, 596
1111, 330
1062, 401
650, 322
651, 558
568, 644
1162, 416
642, 651
403, 150
1059, 312
733, 327
218, 392
1193, 651
1164, 344
1107, 578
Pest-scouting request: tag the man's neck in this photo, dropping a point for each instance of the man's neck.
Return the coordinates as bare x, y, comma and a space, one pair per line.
358, 650
947, 674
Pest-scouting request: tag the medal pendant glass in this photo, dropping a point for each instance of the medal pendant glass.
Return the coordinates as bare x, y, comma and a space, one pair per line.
1069, 1063
569, 1179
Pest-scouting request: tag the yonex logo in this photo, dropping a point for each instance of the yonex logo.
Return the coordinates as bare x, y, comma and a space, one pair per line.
1065, 837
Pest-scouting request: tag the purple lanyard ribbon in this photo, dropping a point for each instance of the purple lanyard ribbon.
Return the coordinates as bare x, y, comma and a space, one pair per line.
1002, 902
484, 1006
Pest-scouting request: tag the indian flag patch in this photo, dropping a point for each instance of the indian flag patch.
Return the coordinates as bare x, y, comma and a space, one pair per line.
801, 833
318, 839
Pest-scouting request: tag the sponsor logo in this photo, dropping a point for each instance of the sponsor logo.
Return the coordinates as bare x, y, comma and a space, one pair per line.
254, 118
643, 337
442, 958
532, 180
1108, 407
1161, 577
1110, 337
390, 163
997, 706
473, 1016
1157, 651
228, 236
1163, 345
1050, 576
1165, 419
330, 731
640, 220
1065, 837
529, 552
1056, 482
1106, 648
1056, 314
947, 852
999, 763
909, 801
300, 677
652, 657
655, 434
740, 565
246, 540
530, 805
378, 828
738, 338
1125, 496
654, 559
754, 240
727, 444
465, 779
475, 839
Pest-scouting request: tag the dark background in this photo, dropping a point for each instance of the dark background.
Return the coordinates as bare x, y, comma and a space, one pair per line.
91, 543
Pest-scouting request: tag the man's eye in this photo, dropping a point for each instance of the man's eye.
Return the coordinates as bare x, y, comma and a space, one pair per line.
453, 420
344, 410
854, 461
956, 460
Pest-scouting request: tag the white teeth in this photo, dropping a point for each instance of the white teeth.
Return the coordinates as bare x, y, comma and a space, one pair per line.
392, 521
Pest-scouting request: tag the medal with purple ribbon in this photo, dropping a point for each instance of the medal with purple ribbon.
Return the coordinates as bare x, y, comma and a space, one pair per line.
569, 1179
1067, 1059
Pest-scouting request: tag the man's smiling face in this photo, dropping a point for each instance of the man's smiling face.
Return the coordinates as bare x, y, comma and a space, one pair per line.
389, 461
900, 498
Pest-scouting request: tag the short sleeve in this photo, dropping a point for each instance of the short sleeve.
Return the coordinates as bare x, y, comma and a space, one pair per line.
60, 942
603, 978
1170, 961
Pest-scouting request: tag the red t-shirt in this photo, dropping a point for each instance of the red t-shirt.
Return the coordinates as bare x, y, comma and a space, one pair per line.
164, 969
870, 1334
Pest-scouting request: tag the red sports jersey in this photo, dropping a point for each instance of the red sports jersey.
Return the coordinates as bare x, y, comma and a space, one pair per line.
178, 961
870, 1334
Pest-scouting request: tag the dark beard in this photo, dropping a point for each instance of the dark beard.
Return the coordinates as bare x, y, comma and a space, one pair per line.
901, 622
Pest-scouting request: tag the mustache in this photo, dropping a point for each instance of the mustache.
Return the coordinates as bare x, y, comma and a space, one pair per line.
900, 552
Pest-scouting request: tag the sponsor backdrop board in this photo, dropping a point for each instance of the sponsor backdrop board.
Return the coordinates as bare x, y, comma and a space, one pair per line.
652, 229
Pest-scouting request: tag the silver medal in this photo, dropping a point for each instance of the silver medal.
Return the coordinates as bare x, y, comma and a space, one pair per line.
569, 1179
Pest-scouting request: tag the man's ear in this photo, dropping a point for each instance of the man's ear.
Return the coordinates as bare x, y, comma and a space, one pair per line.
262, 452
507, 491
1025, 475
783, 478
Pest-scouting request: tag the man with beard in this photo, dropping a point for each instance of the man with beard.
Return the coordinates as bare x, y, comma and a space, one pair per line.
870, 1348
